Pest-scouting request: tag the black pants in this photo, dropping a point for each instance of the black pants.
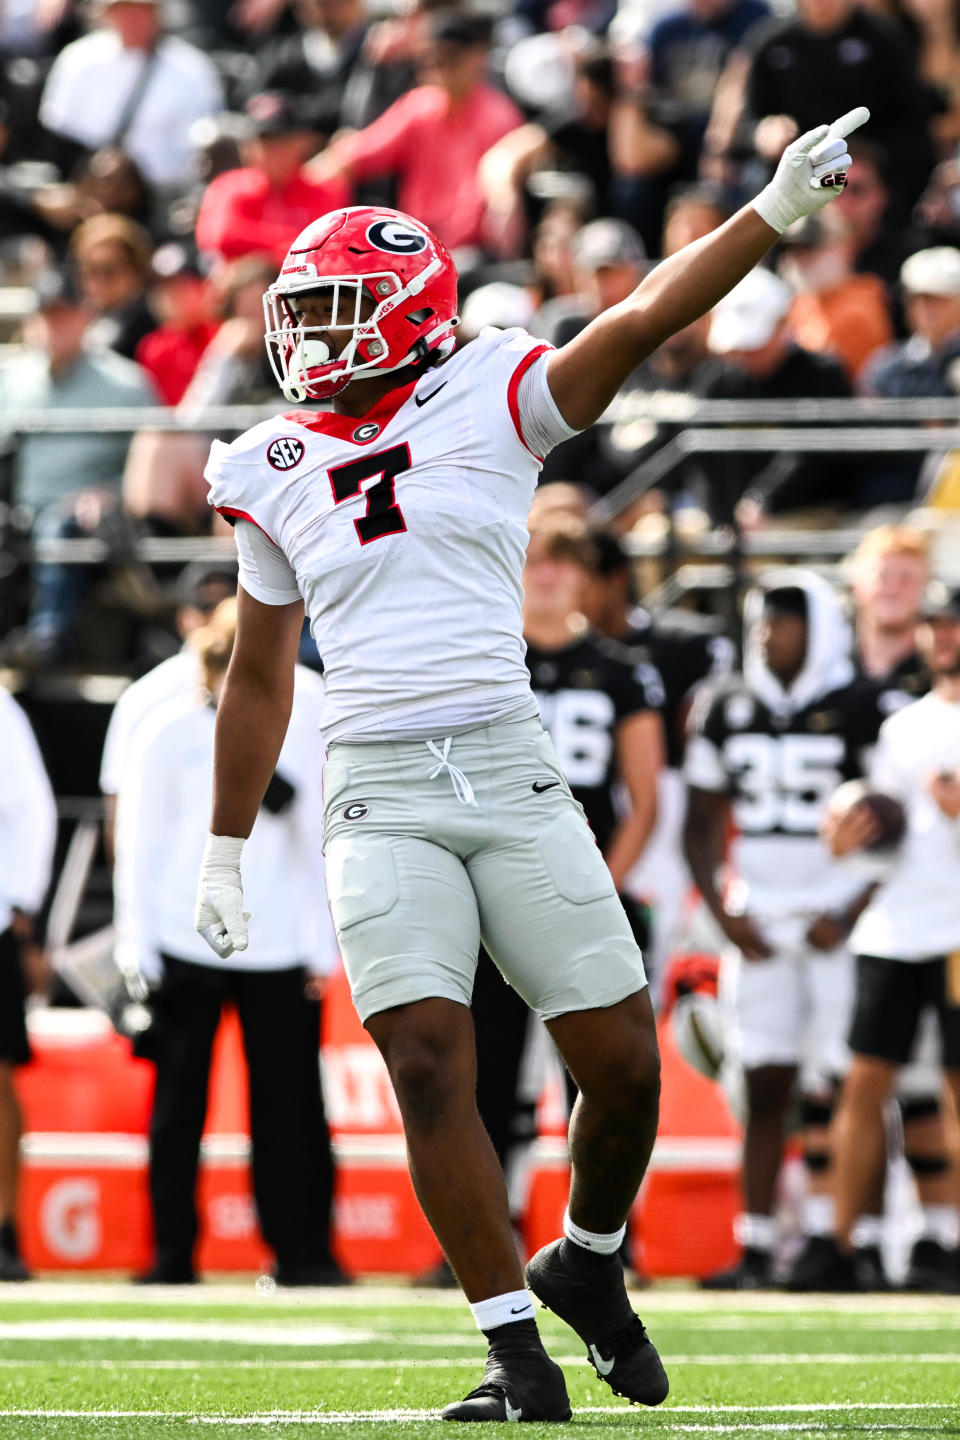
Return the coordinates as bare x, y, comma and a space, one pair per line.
292, 1162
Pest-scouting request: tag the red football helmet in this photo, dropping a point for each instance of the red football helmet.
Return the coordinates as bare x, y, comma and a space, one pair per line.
362, 252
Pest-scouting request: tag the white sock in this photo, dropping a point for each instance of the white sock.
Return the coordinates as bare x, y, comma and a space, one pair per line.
755, 1232
502, 1309
818, 1215
591, 1240
867, 1232
940, 1223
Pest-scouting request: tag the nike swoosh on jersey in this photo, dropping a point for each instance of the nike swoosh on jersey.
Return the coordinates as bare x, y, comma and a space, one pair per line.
422, 399
511, 1413
539, 787
603, 1367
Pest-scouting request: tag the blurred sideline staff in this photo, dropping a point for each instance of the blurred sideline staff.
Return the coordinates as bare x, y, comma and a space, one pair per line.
28, 825
200, 589
276, 985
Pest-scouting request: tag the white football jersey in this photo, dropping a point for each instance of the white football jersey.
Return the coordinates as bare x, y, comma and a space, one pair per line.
405, 532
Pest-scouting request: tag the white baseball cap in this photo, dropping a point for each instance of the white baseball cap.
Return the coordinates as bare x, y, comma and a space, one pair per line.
932, 272
747, 317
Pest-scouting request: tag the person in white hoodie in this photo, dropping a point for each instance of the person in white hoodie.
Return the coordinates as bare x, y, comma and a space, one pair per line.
275, 985
766, 751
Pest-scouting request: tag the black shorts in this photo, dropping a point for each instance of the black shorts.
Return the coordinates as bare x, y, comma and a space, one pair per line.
14, 1046
891, 994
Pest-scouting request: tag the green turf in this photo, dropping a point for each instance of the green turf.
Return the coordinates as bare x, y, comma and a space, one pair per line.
315, 1364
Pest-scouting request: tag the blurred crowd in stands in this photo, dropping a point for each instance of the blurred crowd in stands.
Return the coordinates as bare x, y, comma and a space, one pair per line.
157, 157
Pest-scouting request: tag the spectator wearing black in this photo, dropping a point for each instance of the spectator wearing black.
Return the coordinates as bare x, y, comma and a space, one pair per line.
829, 57
757, 359
28, 825
863, 211
571, 137
318, 62
664, 106
112, 255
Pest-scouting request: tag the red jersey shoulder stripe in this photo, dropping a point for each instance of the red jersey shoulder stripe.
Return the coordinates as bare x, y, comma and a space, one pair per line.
514, 385
230, 514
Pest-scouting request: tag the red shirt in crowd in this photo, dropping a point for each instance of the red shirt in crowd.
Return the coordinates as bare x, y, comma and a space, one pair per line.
171, 354
241, 215
434, 147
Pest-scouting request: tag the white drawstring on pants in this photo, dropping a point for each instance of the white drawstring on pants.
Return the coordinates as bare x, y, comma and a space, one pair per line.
461, 785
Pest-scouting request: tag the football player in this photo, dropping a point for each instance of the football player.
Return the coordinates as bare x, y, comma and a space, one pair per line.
399, 519
599, 705
908, 940
767, 750
684, 652
889, 572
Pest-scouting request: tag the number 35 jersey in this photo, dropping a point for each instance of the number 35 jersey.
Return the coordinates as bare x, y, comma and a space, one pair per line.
405, 532
780, 772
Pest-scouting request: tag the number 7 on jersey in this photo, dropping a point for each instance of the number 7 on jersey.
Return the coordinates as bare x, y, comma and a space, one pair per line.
383, 515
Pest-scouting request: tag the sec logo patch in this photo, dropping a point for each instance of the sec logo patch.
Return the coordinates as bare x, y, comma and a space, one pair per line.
286, 452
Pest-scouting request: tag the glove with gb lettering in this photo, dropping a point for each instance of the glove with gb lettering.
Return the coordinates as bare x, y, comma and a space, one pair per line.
811, 171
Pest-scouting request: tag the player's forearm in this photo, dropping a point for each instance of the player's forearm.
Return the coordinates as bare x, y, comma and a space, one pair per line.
690, 282
252, 721
703, 852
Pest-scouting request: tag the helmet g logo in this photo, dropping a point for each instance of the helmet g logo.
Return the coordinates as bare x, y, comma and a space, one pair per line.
396, 238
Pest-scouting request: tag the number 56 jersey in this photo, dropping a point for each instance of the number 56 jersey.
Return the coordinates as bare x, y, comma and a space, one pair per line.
780, 771
405, 532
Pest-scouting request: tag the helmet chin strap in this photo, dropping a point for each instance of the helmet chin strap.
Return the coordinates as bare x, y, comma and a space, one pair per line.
307, 355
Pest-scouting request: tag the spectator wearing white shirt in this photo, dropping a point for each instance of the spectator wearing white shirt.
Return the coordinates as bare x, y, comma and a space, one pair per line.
28, 825
907, 940
100, 92
275, 985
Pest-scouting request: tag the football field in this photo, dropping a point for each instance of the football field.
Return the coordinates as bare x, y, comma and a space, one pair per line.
79, 1361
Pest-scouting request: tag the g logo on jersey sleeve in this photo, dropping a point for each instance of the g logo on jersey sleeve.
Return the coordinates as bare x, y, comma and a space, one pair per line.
396, 238
285, 453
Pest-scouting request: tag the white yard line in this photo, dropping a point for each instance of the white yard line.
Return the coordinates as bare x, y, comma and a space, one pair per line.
655, 1301
410, 1363
161, 1330
366, 1417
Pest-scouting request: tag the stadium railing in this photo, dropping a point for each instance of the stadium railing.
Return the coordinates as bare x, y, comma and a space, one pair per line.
704, 427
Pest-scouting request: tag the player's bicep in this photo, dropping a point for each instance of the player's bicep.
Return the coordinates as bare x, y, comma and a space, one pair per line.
264, 570
585, 374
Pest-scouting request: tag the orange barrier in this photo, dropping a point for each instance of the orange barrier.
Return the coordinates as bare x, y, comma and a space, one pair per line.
85, 1203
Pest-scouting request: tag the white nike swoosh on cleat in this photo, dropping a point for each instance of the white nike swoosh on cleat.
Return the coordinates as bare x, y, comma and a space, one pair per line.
511, 1413
603, 1367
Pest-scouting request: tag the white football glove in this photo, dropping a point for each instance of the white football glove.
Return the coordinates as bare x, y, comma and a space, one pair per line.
801, 183
220, 916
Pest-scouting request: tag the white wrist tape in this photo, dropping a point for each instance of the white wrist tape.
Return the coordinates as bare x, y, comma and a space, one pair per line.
221, 858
